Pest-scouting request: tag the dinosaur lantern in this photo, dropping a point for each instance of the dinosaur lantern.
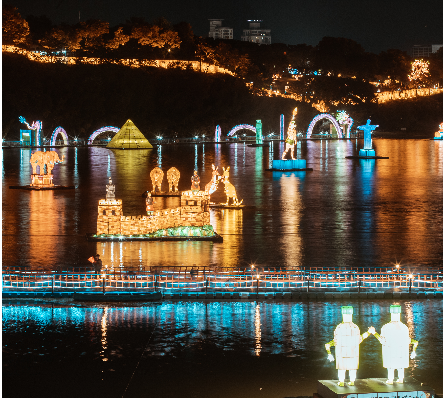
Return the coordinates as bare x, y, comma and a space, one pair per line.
42, 159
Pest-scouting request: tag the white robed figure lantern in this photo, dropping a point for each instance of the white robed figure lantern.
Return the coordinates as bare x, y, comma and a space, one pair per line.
346, 340
395, 340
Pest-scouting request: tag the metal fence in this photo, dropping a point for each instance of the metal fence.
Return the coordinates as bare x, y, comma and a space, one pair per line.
177, 279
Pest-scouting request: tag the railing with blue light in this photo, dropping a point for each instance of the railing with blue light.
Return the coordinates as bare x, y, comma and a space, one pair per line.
206, 279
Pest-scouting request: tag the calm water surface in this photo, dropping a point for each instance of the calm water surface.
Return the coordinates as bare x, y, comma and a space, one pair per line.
344, 213
197, 349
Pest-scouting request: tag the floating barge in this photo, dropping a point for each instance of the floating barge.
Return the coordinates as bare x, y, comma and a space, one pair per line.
176, 194
367, 157
31, 188
216, 238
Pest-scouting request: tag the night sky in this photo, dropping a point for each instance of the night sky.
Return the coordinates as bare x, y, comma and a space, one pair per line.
377, 24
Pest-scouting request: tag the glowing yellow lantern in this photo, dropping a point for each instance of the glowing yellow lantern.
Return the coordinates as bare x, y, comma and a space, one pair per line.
395, 341
347, 340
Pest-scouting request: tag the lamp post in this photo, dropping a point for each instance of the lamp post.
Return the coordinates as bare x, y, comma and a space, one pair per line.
258, 281
410, 276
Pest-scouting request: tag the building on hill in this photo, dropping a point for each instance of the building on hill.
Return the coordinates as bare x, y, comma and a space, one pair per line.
256, 34
425, 51
129, 137
217, 31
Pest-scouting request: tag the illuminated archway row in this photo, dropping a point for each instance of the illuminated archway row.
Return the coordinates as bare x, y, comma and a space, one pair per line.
240, 127
96, 133
57, 131
324, 116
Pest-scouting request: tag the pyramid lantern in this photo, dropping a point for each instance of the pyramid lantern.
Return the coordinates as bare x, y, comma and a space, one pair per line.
129, 137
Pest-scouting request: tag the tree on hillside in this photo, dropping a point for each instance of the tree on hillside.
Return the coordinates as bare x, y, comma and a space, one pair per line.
339, 56
63, 37
436, 67
419, 76
39, 27
345, 91
205, 53
119, 39
186, 35
92, 33
15, 29
394, 64
160, 36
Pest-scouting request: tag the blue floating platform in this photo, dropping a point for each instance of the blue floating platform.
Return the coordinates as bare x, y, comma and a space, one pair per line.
366, 154
289, 165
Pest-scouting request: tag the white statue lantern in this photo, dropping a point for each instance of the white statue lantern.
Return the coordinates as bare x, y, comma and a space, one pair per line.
395, 340
346, 340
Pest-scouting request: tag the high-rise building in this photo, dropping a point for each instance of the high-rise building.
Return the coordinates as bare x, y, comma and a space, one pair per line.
424, 51
255, 34
217, 31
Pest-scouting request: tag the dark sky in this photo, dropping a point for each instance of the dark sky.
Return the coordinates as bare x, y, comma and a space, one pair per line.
376, 24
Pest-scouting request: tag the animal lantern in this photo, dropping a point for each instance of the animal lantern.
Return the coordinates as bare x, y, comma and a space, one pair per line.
291, 139
230, 189
211, 186
42, 159
173, 176
157, 179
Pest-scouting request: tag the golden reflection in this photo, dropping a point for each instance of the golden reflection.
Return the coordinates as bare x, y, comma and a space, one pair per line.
229, 224
291, 241
407, 179
104, 329
139, 254
257, 326
47, 221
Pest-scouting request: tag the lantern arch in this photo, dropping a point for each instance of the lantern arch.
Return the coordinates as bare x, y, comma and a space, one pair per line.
331, 118
57, 131
240, 127
96, 133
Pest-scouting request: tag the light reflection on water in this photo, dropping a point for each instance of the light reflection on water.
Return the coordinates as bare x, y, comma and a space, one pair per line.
344, 213
170, 334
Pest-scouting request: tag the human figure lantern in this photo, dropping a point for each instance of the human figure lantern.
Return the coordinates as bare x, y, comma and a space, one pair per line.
346, 340
173, 176
395, 341
157, 178
110, 190
149, 204
195, 182
439, 133
291, 139
367, 133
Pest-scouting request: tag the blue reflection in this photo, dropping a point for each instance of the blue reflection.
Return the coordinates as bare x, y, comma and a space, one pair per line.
159, 156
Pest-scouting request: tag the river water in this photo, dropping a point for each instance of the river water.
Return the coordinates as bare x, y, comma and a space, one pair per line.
343, 213
199, 349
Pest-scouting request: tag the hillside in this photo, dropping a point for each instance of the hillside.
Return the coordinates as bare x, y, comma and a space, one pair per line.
82, 98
